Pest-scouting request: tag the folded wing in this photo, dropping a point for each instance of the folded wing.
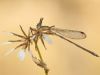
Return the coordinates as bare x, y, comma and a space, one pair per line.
73, 34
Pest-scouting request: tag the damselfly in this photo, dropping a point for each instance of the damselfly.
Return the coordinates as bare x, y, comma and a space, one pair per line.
41, 30
40, 33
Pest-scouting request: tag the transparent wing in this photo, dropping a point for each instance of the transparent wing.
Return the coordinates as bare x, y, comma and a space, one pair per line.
73, 34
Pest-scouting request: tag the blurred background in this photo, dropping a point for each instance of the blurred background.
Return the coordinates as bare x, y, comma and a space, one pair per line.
61, 57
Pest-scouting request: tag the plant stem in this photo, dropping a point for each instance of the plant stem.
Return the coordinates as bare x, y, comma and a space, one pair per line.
40, 56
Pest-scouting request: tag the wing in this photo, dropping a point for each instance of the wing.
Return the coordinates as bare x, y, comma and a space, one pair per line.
73, 34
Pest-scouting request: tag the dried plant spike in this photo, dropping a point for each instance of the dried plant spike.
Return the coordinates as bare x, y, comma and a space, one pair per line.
6, 43
17, 35
15, 41
9, 52
7, 33
40, 63
22, 30
41, 38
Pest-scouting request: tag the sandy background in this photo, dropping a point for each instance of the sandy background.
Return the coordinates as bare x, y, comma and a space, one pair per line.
62, 57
